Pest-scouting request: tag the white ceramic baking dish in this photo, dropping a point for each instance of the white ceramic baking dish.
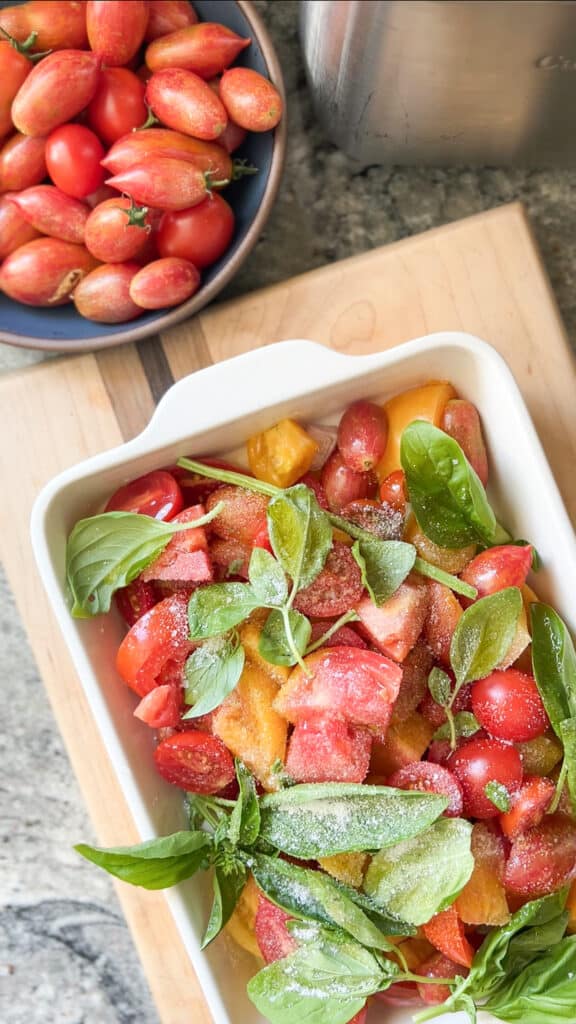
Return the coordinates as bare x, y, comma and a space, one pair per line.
214, 411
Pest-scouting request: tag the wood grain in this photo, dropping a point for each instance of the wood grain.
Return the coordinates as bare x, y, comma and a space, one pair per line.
482, 275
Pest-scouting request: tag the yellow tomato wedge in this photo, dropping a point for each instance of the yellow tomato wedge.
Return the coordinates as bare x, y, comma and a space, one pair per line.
423, 403
282, 454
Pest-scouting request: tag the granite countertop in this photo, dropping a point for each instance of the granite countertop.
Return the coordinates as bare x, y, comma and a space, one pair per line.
65, 953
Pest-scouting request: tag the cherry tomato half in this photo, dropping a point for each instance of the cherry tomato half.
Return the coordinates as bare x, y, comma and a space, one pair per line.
195, 761
157, 637
155, 494
73, 155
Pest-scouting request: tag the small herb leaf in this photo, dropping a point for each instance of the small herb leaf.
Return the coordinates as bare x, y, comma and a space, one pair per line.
465, 724
217, 608
440, 686
484, 634
273, 643
498, 795
384, 565
300, 534
244, 822
228, 882
156, 863
267, 579
554, 664
212, 672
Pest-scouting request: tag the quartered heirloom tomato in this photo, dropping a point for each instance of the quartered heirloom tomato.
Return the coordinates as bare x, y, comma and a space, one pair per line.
155, 494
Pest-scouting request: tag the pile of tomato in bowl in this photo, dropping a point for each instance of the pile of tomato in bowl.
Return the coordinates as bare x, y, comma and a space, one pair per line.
141, 151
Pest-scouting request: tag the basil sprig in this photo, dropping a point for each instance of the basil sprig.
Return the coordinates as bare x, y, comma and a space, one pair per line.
108, 551
447, 497
156, 863
554, 666
212, 671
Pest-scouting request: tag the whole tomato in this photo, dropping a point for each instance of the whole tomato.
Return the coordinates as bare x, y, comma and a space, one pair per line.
116, 29
165, 282
14, 70
138, 146
73, 155
185, 102
56, 89
118, 105
45, 272
250, 99
22, 162
53, 212
14, 230
117, 230
163, 182
58, 26
206, 49
200, 234
167, 16
104, 295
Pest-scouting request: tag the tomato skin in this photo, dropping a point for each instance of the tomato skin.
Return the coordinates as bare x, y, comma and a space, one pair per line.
528, 806
362, 434
14, 70
481, 761
135, 600
116, 29
508, 705
118, 104
437, 966
163, 182
185, 102
393, 490
250, 99
243, 515
60, 26
45, 271
110, 236
164, 282
15, 231
104, 294
195, 761
543, 859
232, 137
504, 566
375, 517
200, 233
461, 421
155, 494
337, 587
57, 89
73, 155
22, 163
206, 49
53, 213
159, 636
167, 16
343, 485
430, 778
139, 145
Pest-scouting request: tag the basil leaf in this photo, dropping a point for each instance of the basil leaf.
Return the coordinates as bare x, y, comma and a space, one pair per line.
314, 820
244, 822
217, 608
267, 578
554, 664
568, 737
315, 895
212, 672
273, 643
465, 724
526, 946
498, 795
447, 497
384, 565
440, 686
227, 883
325, 981
106, 552
300, 534
484, 634
542, 993
422, 876
156, 863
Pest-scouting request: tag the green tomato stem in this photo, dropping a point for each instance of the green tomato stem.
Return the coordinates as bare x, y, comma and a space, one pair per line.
294, 650
350, 616
228, 476
433, 573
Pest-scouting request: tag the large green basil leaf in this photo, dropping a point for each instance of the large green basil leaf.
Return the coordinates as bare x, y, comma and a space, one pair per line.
315, 895
212, 672
544, 992
384, 565
155, 864
554, 664
422, 876
321, 819
217, 608
273, 643
228, 882
300, 534
484, 634
447, 497
108, 551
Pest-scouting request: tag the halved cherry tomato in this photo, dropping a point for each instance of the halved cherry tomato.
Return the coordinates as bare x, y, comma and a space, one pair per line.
22, 162
53, 213
45, 271
104, 294
479, 762
118, 104
73, 155
543, 859
195, 761
362, 434
117, 230
508, 705
528, 806
14, 230
116, 29
206, 49
160, 635
185, 102
446, 932
251, 100
504, 566
155, 494
14, 70
375, 517
200, 234
163, 182
58, 26
135, 600
168, 16
164, 282
336, 589
161, 708
430, 778
57, 89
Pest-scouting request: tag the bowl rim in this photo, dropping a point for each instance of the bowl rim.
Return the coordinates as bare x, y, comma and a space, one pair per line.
207, 292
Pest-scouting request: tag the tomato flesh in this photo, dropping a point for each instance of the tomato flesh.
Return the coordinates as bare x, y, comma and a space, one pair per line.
336, 589
195, 761
272, 935
431, 778
155, 494
157, 637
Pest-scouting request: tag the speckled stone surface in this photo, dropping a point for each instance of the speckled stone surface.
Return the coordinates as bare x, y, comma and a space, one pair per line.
65, 953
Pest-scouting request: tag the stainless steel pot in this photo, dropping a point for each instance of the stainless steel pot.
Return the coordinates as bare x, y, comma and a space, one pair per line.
444, 81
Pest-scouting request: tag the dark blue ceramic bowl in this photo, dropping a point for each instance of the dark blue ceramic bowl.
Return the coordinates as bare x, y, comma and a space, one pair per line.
63, 329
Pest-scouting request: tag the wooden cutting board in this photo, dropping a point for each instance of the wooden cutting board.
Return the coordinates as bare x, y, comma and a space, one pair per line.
483, 275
